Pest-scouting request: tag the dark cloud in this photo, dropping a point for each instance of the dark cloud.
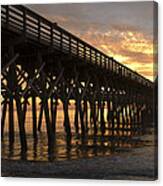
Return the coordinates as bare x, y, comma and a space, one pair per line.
134, 14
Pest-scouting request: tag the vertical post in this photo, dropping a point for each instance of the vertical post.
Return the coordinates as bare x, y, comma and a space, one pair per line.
34, 116
7, 15
69, 44
3, 117
22, 133
100, 60
111, 64
40, 118
134, 117
81, 118
51, 34
112, 117
66, 120
77, 48
123, 120
76, 116
84, 52
126, 117
86, 114
11, 84
102, 121
11, 120
39, 29
61, 41
108, 109
118, 99
130, 111
131, 117
50, 134
93, 110
97, 109
54, 113
90, 53
119, 120
24, 21
96, 57
25, 108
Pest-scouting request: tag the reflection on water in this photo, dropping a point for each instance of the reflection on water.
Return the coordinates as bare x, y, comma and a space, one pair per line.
79, 147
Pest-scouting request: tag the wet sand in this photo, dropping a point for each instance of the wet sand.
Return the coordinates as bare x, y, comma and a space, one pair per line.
139, 164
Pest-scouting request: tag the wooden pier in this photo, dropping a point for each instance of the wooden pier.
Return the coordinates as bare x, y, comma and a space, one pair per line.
41, 60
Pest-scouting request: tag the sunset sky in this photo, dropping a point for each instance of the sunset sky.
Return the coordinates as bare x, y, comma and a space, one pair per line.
123, 30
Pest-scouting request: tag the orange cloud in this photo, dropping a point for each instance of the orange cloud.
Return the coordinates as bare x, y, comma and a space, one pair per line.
123, 31
127, 45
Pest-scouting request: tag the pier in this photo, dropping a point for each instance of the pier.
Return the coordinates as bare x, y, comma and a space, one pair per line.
42, 61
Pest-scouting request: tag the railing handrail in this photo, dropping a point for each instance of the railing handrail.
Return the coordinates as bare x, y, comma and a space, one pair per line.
53, 28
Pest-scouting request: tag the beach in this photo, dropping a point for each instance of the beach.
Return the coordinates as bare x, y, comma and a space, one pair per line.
139, 164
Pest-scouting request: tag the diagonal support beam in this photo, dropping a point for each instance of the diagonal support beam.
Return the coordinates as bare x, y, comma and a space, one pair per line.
9, 63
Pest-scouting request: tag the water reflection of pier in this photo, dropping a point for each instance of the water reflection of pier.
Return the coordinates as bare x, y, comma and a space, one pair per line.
41, 62
84, 147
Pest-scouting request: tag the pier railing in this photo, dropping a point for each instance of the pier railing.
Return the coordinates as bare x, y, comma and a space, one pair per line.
39, 29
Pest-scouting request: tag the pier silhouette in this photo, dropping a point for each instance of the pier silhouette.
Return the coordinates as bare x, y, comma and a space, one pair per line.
41, 60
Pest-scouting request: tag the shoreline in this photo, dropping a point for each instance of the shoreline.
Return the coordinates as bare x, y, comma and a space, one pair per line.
140, 164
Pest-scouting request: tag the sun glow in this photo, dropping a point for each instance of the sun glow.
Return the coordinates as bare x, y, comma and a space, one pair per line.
131, 48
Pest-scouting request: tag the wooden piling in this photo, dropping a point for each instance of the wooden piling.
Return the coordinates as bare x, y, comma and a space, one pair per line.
34, 117
40, 118
50, 133
130, 126
3, 118
81, 113
25, 109
11, 85
66, 120
127, 118
118, 120
11, 121
108, 110
22, 132
54, 106
102, 120
94, 117
113, 117
123, 119
76, 117
86, 115
109, 115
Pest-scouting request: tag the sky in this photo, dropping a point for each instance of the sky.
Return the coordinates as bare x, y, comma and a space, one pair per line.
123, 30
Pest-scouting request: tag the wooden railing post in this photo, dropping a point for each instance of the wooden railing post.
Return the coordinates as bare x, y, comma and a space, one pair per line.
77, 48
90, 53
84, 52
108, 67
24, 21
70, 44
100, 60
7, 15
105, 61
61, 41
111, 64
51, 34
39, 29
95, 57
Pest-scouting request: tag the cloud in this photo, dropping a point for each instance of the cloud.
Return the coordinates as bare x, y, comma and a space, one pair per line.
127, 45
121, 30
